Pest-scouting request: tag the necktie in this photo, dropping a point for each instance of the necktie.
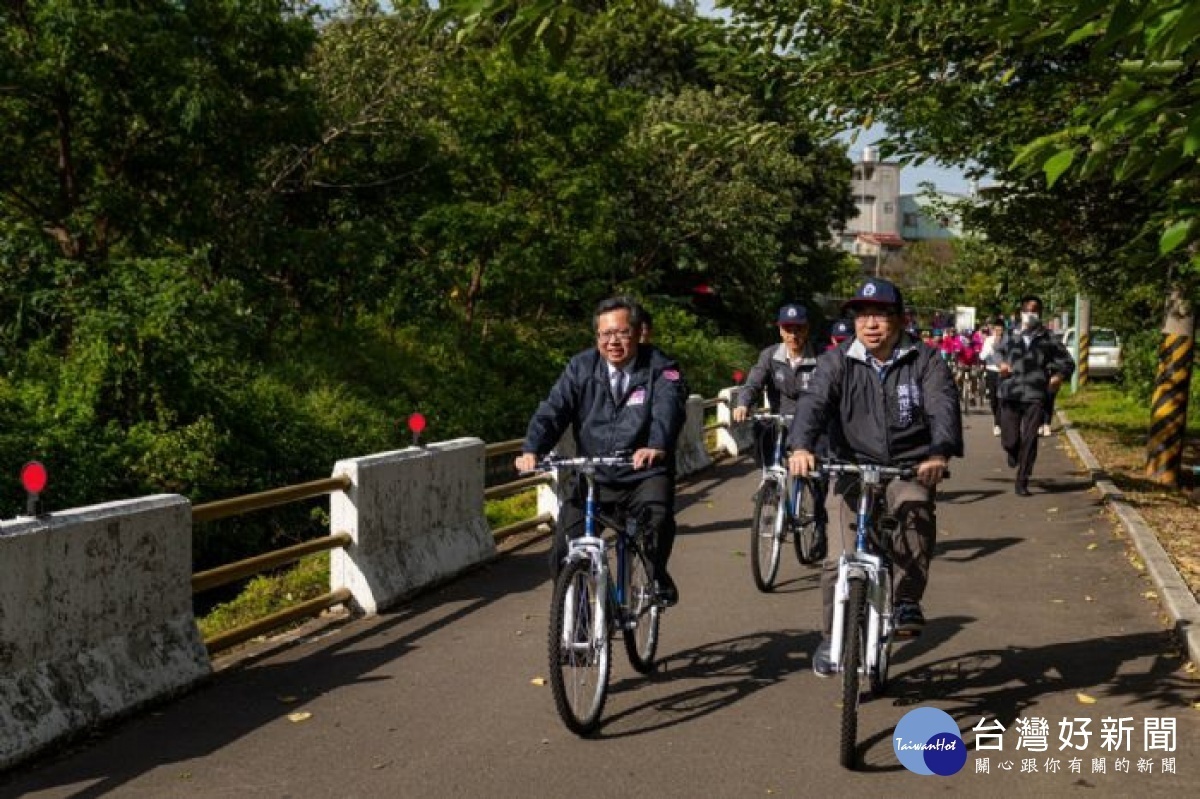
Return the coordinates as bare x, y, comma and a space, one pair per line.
618, 385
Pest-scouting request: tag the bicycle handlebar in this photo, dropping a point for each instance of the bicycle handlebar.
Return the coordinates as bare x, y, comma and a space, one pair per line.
786, 418
582, 464
903, 472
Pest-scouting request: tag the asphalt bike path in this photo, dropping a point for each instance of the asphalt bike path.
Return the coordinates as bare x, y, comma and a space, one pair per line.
1034, 611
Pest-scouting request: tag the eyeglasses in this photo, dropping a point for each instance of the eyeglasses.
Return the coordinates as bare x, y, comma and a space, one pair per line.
615, 335
874, 313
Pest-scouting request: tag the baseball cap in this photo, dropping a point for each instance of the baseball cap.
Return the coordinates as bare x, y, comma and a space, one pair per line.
793, 315
841, 329
875, 291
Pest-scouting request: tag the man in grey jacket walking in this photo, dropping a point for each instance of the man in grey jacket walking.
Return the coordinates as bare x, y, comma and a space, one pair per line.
1032, 366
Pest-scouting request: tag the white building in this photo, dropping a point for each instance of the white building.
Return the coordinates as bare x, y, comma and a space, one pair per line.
873, 234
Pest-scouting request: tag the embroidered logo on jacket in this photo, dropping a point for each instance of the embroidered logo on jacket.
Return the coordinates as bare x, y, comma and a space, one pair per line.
908, 399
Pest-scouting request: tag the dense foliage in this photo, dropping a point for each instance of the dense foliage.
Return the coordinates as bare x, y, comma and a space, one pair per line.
239, 241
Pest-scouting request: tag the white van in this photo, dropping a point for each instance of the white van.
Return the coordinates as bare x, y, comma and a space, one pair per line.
1104, 351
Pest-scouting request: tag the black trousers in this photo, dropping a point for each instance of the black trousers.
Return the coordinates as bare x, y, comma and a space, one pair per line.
650, 500
991, 381
1019, 423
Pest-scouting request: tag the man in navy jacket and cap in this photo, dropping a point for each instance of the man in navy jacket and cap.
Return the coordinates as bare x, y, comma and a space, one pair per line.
885, 399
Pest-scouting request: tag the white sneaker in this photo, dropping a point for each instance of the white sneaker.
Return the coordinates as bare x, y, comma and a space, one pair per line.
1044, 430
995, 429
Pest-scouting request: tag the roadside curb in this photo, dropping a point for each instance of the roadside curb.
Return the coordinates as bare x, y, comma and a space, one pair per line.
1174, 593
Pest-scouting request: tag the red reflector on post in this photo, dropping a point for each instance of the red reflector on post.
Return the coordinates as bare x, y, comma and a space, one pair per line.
416, 423
34, 477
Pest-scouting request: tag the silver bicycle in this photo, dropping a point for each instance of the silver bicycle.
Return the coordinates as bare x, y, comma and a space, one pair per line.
863, 624
783, 506
602, 586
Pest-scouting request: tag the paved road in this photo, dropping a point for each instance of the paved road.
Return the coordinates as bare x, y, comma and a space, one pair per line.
1035, 612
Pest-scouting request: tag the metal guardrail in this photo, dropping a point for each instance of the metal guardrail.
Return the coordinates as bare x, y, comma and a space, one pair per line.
232, 572
235, 506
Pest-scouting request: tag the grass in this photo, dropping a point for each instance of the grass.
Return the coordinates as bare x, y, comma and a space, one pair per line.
1114, 428
268, 593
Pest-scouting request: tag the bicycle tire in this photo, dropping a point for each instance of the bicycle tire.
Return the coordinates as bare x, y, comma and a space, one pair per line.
853, 641
642, 614
764, 537
806, 540
579, 670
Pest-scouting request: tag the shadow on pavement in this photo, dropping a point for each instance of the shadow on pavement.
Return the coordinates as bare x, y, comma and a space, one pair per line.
972, 548
964, 497
240, 700
1002, 684
729, 670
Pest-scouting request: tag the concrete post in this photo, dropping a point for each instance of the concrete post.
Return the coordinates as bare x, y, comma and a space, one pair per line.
416, 516
95, 617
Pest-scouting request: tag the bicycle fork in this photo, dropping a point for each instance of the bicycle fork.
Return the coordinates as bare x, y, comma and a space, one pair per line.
591, 549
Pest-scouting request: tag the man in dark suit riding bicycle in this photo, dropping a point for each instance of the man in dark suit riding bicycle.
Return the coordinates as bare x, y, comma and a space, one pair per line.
620, 396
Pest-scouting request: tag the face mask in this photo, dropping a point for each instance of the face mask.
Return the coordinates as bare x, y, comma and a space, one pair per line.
1028, 319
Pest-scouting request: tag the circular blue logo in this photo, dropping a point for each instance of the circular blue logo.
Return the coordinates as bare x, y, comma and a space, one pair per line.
927, 742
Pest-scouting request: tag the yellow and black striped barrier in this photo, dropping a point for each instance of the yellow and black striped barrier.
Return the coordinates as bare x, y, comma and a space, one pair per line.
1168, 422
1081, 368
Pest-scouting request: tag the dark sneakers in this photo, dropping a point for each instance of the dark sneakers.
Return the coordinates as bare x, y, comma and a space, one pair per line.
822, 659
665, 592
1023, 490
910, 621
1012, 461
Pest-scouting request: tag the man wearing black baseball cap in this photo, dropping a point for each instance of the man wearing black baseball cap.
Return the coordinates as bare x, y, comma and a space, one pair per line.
888, 400
783, 369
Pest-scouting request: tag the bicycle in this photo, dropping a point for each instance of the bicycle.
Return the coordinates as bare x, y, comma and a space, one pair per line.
863, 628
783, 505
589, 604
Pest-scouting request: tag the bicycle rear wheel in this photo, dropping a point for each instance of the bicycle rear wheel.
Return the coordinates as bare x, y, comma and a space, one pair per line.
643, 615
765, 535
808, 541
579, 659
853, 642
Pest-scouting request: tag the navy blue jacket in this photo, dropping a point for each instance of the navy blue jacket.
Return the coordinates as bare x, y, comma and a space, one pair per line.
651, 413
899, 420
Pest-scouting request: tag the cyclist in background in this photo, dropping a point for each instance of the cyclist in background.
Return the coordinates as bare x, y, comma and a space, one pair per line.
884, 399
841, 330
617, 396
783, 371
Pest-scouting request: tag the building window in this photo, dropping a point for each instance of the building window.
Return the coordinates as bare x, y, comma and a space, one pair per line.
889, 208
910, 220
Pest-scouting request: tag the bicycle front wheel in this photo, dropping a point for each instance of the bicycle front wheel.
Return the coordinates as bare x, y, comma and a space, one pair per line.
883, 652
765, 529
579, 647
642, 614
809, 541
854, 641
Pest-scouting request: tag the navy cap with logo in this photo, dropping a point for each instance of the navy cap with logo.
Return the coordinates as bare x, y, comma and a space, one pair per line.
842, 329
875, 291
793, 315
